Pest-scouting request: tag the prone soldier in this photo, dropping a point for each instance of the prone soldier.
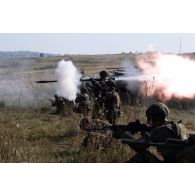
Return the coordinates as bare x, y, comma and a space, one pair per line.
59, 104
157, 130
166, 137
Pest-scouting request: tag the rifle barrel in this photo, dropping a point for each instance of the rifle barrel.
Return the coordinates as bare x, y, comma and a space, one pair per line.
169, 143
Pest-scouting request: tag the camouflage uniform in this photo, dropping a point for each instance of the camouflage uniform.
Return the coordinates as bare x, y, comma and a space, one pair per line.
159, 134
159, 130
68, 107
83, 101
100, 90
112, 104
96, 140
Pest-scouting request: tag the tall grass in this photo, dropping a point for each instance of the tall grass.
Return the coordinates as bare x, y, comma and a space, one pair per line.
34, 135
28, 135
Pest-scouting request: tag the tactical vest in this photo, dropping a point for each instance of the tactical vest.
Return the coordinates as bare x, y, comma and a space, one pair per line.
166, 130
171, 130
179, 129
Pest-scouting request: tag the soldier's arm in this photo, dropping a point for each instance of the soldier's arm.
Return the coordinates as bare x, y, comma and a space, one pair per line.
136, 126
120, 131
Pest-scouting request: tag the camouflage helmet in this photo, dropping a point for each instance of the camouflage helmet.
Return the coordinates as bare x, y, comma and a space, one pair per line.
104, 74
157, 111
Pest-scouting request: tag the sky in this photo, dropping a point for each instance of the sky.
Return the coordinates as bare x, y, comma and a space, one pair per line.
97, 43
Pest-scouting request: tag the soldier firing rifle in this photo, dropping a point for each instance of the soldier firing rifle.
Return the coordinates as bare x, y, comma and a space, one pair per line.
168, 137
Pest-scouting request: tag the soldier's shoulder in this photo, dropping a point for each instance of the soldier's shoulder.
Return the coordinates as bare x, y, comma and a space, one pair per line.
177, 128
165, 128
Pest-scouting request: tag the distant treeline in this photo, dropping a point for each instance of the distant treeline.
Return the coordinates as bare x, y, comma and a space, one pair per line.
22, 54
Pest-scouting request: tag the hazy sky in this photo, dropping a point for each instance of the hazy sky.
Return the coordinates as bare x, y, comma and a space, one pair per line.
78, 43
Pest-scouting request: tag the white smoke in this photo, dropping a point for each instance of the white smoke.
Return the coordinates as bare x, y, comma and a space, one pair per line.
174, 74
68, 80
131, 76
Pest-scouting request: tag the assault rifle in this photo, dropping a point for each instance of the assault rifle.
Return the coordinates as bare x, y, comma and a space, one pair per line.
118, 131
143, 144
124, 133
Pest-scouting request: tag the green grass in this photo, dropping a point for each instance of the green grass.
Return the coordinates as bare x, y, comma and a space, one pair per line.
36, 136
31, 135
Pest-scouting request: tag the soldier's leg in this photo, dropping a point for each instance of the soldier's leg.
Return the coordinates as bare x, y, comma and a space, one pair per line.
96, 109
111, 116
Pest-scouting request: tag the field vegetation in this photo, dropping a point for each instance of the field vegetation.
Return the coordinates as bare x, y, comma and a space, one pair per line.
36, 135
31, 133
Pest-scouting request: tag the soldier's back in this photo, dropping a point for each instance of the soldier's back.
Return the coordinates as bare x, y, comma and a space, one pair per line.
163, 132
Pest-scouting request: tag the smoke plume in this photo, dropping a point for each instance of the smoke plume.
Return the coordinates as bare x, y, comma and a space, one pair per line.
171, 75
68, 80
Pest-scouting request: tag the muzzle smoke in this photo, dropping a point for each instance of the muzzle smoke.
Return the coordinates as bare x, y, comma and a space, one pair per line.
68, 80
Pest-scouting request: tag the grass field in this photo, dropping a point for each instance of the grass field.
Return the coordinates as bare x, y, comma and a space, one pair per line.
37, 136
30, 133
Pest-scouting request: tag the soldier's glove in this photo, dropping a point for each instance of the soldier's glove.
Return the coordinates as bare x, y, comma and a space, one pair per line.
134, 126
116, 131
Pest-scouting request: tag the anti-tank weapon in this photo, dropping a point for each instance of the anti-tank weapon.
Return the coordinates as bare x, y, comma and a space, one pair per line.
48, 81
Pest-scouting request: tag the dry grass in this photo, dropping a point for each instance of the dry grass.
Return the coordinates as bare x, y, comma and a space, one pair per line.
28, 135
34, 135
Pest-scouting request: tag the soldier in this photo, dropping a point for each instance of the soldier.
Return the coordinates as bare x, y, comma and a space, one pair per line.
112, 103
100, 89
59, 104
68, 107
157, 130
83, 101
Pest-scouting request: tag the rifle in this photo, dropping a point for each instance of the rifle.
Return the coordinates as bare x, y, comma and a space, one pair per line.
143, 144
118, 131
124, 133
